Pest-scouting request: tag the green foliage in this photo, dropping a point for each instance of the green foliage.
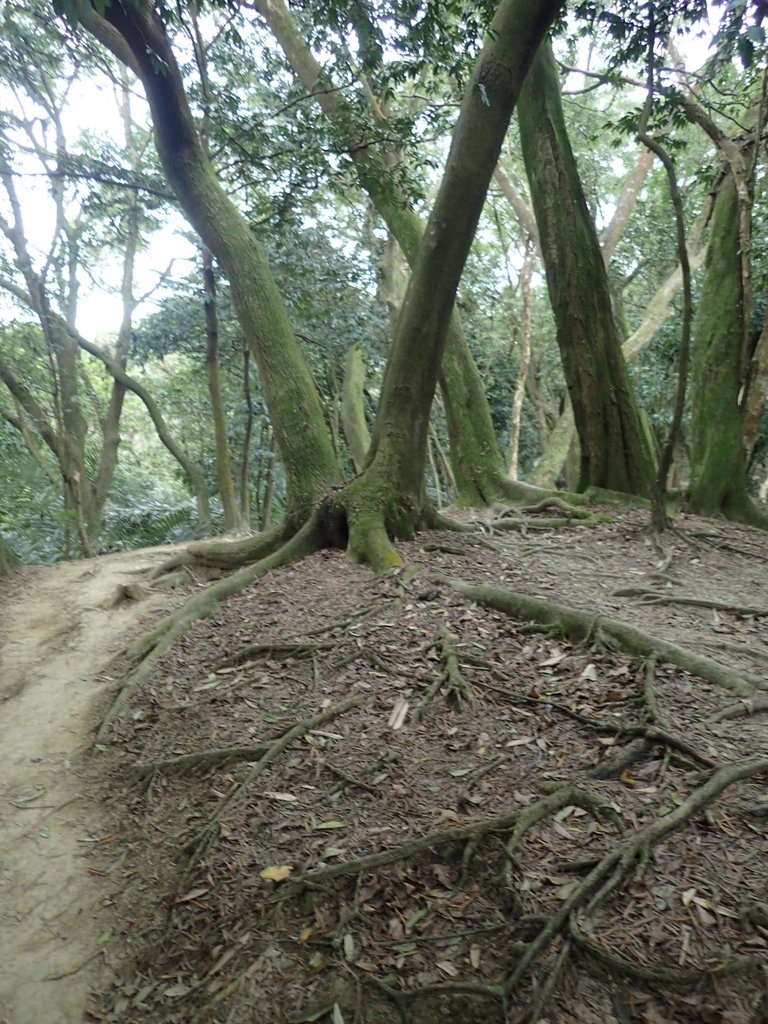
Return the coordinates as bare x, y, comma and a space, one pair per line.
146, 524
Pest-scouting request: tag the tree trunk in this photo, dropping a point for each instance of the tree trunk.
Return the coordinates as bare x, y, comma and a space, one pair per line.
388, 496
223, 472
475, 457
657, 311
718, 457
525, 359
300, 432
353, 407
615, 452
757, 392
245, 458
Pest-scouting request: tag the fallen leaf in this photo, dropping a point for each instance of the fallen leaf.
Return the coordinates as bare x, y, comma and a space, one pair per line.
328, 825
193, 894
222, 961
176, 991
277, 872
589, 673
709, 905
447, 968
564, 891
287, 798
552, 661
398, 714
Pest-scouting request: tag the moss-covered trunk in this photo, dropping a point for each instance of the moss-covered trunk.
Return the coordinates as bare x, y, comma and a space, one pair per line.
475, 458
388, 496
718, 457
615, 452
136, 35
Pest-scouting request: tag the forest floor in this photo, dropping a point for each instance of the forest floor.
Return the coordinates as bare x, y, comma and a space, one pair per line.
345, 798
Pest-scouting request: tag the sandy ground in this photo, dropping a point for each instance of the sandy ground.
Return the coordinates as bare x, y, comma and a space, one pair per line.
58, 634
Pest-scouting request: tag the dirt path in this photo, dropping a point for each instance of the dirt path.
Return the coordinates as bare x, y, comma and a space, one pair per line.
59, 632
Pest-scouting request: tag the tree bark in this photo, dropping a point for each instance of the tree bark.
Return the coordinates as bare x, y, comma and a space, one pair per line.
757, 391
615, 451
718, 457
625, 204
525, 359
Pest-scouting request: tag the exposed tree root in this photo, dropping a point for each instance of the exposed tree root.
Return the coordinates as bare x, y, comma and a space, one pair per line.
749, 706
581, 626
744, 650
456, 686
599, 961
603, 878
610, 871
445, 549
227, 554
197, 846
200, 762
569, 510
517, 822
524, 523
643, 736
649, 693
657, 597
158, 640
297, 651
439, 521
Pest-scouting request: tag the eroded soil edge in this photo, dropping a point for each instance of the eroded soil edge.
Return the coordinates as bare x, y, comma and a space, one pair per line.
58, 634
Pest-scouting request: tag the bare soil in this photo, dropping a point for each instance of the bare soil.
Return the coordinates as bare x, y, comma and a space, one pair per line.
413, 789
58, 633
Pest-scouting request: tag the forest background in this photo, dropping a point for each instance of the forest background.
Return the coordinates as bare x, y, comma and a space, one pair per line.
132, 410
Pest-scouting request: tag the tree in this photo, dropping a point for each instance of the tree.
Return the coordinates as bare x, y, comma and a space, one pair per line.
475, 458
615, 451
84, 226
718, 456
387, 499
136, 35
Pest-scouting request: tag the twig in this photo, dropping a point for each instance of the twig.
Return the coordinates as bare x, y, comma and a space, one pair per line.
196, 846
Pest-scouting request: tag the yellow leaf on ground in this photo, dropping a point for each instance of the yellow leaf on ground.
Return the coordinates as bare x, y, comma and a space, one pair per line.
277, 872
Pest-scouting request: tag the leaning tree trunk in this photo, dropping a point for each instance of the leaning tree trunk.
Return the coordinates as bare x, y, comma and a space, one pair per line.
615, 451
475, 458
718, 458
136, 35
388, 498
